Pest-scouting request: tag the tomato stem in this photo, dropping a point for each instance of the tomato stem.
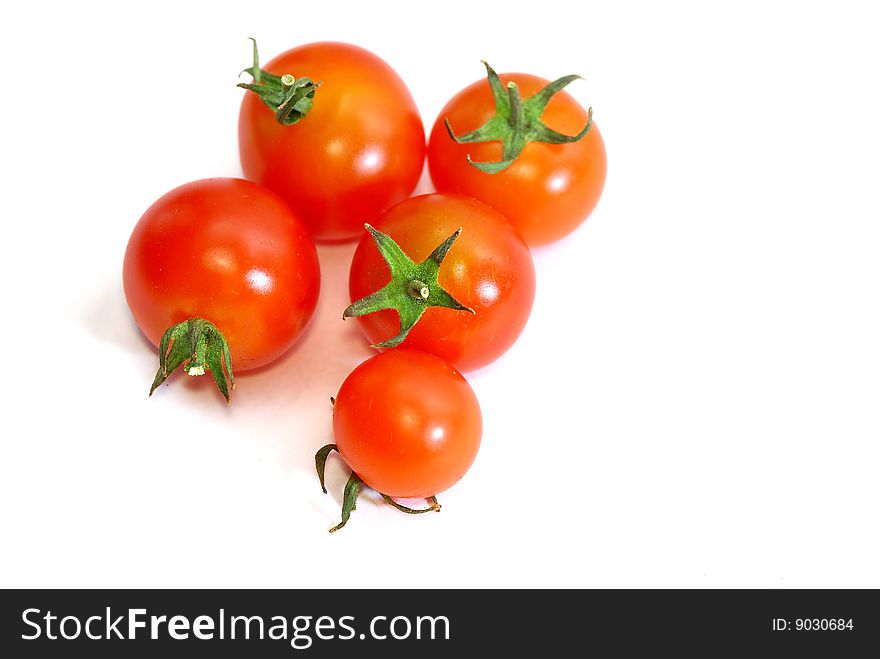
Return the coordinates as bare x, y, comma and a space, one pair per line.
353, 488
517, 122
418, 289
413, 287
290, 98
199, 341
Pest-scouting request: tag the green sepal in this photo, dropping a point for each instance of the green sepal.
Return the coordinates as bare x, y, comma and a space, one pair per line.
353, 488
433, 506
199, 341
349, 499
517, 122
288, 97
413, 287
321, 462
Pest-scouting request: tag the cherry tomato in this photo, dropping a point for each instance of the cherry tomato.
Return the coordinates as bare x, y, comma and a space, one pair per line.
488, 269
549, 189
407, 423
359, 149
229, 251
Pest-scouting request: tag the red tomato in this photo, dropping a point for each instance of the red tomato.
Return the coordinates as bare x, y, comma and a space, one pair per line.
488, 268
549, 189
407, 423
229, 251
359, 150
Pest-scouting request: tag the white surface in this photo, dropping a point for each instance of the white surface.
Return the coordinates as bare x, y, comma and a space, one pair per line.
694, 401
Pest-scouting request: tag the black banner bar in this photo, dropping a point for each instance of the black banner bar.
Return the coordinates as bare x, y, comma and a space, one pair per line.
422, 623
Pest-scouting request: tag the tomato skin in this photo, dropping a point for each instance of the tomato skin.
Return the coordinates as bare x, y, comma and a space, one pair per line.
407, 423
232, 252
358, 151
489, 269
549, 190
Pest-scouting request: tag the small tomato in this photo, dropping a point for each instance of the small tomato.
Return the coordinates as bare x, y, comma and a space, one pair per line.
220, 269
407, 424
532, 153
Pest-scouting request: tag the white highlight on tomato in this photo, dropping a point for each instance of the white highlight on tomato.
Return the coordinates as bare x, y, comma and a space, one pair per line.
259, 280
488, 291
558, 182
370, 160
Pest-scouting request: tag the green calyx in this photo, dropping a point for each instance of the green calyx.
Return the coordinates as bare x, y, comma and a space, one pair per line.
204, 346
517, 122
412, 289
353, 488
288, 97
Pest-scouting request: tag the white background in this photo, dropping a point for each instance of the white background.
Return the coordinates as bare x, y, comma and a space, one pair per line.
694, 402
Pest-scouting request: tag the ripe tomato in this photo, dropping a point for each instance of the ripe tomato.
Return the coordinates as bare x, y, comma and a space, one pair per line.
229, 251
358, 150
488, 269
407, 423
549, 189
